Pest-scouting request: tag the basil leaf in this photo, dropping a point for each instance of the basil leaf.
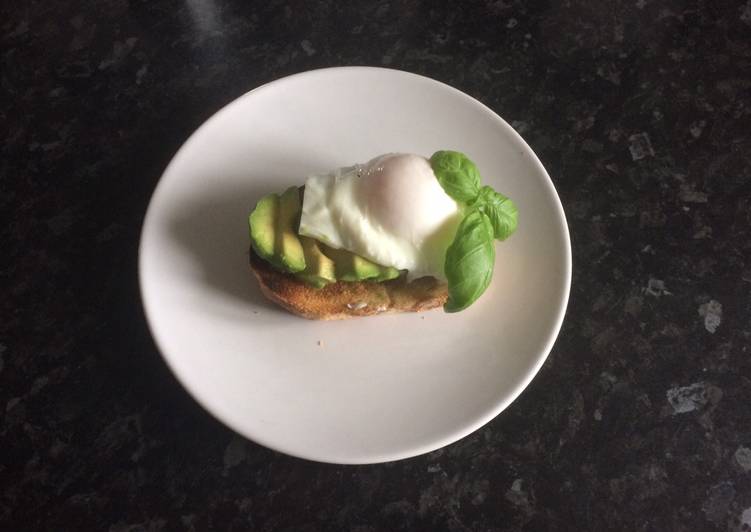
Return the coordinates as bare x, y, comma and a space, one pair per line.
457, 175
501, 211
469, 261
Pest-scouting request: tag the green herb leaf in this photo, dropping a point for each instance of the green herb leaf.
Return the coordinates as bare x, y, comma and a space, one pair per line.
469, 261
501, 211
457, 175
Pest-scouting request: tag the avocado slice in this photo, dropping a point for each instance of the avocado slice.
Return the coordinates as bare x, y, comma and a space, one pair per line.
288, 249
351, 267
365, 269
319, 269
387, 273
262, 221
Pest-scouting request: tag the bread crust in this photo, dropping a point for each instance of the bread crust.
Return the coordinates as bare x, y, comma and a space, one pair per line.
343, 300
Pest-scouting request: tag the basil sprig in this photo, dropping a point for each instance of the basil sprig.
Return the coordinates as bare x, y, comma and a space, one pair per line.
488, 215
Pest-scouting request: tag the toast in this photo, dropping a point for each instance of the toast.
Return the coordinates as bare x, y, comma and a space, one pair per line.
343, 300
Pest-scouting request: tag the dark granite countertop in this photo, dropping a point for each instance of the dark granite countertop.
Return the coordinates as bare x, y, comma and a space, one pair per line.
639, 420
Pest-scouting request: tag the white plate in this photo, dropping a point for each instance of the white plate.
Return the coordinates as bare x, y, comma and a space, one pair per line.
364, 390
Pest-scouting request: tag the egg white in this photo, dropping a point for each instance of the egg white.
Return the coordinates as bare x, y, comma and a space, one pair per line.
392, 211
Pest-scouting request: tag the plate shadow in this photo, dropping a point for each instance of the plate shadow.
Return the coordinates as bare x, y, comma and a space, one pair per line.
213, 229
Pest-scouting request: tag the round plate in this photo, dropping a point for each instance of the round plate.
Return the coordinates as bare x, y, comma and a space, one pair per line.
363, 390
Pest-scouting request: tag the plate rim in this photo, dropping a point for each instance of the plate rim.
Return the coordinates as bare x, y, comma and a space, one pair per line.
409, 452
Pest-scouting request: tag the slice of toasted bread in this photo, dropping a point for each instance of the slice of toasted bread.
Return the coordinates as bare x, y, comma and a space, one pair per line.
342, 300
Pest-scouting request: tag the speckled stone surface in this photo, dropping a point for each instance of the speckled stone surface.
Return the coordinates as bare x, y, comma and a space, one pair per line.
639, 420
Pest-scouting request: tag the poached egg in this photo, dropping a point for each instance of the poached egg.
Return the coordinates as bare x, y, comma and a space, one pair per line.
391, 210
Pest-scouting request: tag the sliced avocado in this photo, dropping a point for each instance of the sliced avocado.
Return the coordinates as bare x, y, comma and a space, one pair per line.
262, 223
387, 273
288, 249
273, 233
319, 269
351, 267
365, 269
